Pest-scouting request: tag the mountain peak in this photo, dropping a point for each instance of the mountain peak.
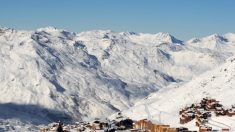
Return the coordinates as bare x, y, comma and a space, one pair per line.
211, 39
48, 29
6, 29
215, 38
166, 37
129, 33
194, 40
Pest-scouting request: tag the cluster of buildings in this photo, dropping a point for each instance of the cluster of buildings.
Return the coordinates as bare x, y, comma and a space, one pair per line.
148, 126
97, 125
202, 112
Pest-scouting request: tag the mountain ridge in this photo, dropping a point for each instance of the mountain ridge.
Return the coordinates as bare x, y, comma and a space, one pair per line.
159, 34
96, 73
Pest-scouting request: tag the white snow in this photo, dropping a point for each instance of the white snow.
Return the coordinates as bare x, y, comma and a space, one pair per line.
230, 37
61, 75
164, 105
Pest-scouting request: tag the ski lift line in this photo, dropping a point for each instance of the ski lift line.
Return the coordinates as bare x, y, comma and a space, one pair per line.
147, 111
230, 119
215, 125
159, 114
149, 115
160, 110
220, 123
167, 113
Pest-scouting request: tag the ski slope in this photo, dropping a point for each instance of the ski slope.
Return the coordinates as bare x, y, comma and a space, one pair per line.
164, 105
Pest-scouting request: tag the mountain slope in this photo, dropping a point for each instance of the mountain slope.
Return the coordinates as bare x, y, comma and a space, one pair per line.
165, 105
61, 75
49, 70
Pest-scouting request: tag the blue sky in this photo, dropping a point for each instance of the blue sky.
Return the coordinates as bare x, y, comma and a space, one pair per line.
182, 18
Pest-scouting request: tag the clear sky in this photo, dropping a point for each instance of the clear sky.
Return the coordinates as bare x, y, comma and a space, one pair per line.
182, 18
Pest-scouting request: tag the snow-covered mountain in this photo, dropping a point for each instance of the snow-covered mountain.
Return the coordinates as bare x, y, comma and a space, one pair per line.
158, 38
54, 74
214, 42
164, 105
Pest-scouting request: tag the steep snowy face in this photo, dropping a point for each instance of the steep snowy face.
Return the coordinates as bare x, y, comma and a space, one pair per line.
143, 38
48, 68
167, 38
18, 70
214, 38
125, 53
214, 42
165, 105
56, 74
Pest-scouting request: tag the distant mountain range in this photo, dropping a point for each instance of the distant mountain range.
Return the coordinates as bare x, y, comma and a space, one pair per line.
52, 74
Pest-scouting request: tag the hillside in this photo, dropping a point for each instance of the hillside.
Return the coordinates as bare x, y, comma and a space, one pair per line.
164, 106
53, 74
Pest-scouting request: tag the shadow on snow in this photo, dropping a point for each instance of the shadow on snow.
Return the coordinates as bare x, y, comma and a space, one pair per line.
33, 114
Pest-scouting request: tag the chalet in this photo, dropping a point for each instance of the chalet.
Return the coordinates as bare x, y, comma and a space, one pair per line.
225, 130
145, 125
180, 129
230, 112
205, 129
